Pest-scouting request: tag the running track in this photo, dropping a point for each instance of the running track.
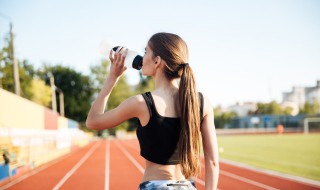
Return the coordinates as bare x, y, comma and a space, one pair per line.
117, 165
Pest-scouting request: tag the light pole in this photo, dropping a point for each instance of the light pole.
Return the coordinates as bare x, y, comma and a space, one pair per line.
53, 93
61, 101
14, 61
54, 99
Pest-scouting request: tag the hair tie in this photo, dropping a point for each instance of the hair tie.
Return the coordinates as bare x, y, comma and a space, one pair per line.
181, 65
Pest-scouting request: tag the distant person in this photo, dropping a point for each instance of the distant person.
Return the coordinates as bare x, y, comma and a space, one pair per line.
6, 159
171, 118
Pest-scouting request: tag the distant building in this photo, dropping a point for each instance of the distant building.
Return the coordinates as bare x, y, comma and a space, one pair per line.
242, 108
296, 96
313, 93
300, 95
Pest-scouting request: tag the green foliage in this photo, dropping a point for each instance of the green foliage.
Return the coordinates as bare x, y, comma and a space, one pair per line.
310, 109
26, 75
222, 118
269, 108
98, 75
41, 92
287, 110
6, 69
272, 108
26, 71
76, 87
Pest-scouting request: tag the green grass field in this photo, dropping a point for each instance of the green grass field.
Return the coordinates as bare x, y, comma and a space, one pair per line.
295, 154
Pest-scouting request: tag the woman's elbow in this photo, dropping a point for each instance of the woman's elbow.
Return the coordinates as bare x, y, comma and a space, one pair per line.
90, 124
217, 166
213, 164
97, 124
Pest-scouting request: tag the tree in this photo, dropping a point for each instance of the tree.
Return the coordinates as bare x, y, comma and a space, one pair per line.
310, 108
41, 92
222, 118
98, 75
271, 108
26, 71
76, 87
287, 110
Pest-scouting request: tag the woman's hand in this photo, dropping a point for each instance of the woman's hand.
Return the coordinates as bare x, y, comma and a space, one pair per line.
117, 62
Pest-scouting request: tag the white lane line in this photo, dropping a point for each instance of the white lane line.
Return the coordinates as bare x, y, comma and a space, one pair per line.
243, 179
35, 171
247, 180
128, 155
107, 174
288, 177
83, 159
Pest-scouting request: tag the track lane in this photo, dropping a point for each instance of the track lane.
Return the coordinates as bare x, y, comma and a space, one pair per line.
91, 174
264, 178
50, 176
123, 173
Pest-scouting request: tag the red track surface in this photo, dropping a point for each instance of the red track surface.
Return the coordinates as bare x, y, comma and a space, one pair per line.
116, 164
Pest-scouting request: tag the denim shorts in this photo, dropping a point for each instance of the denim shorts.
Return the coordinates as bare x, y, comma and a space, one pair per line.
167, 185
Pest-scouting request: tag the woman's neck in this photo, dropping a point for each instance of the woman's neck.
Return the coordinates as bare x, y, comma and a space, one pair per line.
163, 84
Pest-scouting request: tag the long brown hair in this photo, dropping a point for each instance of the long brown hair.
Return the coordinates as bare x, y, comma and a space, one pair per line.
174, 51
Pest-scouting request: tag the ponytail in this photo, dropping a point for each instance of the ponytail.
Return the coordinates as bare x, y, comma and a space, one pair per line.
189, 140
174, 51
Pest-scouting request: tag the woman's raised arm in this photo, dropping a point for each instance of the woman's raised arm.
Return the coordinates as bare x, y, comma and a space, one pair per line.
98, 119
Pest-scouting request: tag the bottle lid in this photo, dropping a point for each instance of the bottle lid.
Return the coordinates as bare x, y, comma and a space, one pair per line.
137, 62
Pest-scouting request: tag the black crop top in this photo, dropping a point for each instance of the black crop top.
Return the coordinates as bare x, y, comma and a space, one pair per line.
159, 138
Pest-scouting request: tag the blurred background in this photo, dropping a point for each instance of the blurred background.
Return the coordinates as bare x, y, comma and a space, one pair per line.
257, 61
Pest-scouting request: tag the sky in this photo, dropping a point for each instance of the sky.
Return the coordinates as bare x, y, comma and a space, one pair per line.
240, 51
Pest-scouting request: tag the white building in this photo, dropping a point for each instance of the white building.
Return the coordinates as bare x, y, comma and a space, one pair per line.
296, 96
313, 93
242, 108
301, 95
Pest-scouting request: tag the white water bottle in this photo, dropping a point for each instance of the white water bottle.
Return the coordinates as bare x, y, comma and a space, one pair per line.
133, 60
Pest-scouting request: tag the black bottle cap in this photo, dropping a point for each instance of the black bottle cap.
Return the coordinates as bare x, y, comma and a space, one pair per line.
115, 48
137, 62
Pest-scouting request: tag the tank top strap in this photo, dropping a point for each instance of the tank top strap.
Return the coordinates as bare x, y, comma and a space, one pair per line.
151, 105
201, 101
149, 101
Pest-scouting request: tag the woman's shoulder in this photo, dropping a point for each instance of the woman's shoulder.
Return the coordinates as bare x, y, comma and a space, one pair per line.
138, 98
207, 106
134, 103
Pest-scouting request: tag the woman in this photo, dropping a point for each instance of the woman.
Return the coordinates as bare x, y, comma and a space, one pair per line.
171, 118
